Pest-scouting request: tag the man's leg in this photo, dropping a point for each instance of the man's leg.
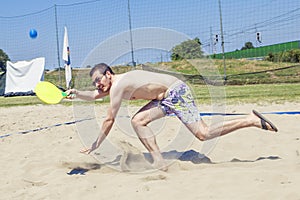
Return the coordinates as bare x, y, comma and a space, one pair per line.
140, 120
204, 132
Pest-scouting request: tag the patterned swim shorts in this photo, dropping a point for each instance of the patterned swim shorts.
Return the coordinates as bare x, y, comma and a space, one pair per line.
179, 101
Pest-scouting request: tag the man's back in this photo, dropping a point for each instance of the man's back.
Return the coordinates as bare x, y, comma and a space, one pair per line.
138, 84
140, 78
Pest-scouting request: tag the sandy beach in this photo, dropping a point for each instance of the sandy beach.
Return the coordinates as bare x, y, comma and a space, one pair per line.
40, 158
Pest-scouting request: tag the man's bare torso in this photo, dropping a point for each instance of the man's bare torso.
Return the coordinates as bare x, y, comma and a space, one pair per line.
145, 85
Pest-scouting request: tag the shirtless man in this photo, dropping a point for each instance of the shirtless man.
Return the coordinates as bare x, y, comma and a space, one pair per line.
167, 95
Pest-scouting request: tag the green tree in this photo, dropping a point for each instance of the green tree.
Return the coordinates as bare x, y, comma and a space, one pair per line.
248, 45
189, 49
3, 58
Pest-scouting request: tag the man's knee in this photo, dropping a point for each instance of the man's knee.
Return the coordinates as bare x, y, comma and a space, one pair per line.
138, 121
201, 136
203, 133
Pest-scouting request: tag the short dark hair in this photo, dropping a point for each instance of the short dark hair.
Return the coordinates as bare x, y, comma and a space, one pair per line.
102, 68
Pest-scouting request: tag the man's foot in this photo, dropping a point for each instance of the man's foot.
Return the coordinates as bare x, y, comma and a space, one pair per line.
264, 122
158, 161
160, 165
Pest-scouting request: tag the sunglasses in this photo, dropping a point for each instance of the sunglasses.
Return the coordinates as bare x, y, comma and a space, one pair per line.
97, 79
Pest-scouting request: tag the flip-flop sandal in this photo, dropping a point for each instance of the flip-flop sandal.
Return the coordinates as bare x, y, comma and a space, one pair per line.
264, 121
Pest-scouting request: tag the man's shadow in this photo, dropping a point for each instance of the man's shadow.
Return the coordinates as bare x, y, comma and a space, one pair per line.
198, 158
187, 156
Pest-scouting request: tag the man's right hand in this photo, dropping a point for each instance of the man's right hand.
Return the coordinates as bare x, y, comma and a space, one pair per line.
71, 93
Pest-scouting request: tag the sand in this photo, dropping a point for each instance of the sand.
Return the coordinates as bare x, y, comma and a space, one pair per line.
45, 163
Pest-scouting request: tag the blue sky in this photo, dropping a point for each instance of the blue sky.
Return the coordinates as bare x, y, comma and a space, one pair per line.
90, 24
17, 7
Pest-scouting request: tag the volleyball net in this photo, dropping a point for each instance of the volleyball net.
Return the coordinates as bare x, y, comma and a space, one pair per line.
262, 25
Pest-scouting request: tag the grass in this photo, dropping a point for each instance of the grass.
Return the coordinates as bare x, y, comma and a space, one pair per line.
236, 70
272, 87
259, 93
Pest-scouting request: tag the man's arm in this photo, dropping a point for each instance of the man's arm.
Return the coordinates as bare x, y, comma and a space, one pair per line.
115, 102
86, 95
106, 127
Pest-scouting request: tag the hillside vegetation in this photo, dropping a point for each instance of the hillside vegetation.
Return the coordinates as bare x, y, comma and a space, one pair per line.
245, 84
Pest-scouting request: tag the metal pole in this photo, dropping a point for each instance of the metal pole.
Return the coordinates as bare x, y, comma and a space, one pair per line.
57, 46
131, 42
222, 40
211, 42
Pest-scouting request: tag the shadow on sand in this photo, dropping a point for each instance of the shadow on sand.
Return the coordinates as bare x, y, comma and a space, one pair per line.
187, 156
198, 158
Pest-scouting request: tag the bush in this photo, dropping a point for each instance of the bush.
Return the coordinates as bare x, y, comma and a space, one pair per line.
292, 56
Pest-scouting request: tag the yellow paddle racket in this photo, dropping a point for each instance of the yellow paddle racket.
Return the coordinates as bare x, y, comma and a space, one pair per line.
49, 93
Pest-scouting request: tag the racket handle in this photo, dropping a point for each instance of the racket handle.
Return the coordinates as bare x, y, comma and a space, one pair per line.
64, 94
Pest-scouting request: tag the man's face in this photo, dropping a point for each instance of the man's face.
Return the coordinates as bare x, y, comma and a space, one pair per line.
102, 82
